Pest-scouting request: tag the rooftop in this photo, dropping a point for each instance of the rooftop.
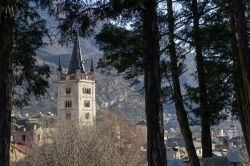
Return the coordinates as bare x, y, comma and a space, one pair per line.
76, 62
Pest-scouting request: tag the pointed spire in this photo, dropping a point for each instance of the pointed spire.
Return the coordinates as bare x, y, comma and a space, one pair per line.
59, 64
76, 62
92, 66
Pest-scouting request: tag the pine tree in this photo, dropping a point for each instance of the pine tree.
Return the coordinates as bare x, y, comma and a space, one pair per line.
209, 33
179, 103
155, 145
205, 124
6, 23
244, 63
17, 62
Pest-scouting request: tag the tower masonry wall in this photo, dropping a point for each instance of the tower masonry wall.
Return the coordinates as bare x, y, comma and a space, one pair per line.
76, 98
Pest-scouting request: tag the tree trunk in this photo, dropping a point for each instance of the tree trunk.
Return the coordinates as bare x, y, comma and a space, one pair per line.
5, 121
243, 79
238, 80
206, 139
5, 79
206, 135
156, 153
180, 110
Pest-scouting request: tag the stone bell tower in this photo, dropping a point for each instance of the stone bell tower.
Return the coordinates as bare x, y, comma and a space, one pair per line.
76, 90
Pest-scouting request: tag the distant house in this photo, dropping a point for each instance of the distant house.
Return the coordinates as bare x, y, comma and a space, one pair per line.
30, 134
237, 158
228, 132
198, 148
231, 132
33, 131
236, 142
176, 148
17, 152
218, 133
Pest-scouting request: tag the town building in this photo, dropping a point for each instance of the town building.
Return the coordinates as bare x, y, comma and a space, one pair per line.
32, 131
76, 90
29, 134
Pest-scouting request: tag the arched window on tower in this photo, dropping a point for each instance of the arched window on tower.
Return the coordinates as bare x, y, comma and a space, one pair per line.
68, 91
87, 115
86, 103
86, 90
68, 116
68, 104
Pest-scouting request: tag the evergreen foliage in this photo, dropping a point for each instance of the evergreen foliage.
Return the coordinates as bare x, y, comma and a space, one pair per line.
29, 29
22, 31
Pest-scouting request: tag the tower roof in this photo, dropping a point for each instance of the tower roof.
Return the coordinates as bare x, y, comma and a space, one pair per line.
92, 66
76, 62
59, 64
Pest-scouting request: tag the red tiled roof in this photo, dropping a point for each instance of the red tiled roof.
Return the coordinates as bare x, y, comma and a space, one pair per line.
21, 147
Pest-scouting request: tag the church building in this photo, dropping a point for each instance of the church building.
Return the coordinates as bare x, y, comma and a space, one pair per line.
76, 90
